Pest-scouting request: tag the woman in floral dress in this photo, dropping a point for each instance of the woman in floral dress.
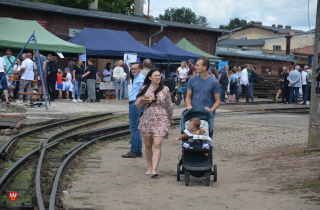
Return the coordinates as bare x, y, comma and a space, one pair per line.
156, 119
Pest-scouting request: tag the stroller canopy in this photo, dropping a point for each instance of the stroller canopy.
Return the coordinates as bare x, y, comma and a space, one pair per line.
200, 113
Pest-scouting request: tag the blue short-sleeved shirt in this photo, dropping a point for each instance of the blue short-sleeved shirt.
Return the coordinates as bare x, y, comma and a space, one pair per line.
203, 91
234, 77
42, 60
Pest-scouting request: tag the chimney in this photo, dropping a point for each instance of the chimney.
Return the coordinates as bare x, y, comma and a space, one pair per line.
288, 27
273, 25
259, 23
138, 7
93, 5
288, 37
280, 26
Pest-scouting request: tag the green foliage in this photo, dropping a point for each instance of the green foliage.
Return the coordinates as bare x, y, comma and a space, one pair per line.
80, 4
120, 6
184, 15
236, 23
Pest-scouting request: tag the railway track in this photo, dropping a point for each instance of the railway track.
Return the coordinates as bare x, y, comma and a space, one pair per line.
22, 152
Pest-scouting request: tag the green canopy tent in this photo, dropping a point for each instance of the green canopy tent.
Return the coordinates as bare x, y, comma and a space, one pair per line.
186, 45
15, 33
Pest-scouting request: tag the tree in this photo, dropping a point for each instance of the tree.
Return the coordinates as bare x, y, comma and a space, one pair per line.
236, 23
80, 4
117, 6
183, 15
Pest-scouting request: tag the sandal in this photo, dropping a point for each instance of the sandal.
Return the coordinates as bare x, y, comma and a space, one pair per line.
154, 175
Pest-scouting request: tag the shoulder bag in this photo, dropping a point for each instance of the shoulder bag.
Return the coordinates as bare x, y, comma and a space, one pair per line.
146, 108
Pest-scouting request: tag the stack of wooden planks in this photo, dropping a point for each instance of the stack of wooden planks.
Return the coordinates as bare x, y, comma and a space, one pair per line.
267, 87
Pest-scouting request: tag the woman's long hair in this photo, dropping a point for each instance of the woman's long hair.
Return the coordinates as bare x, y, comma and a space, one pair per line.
108, 66
147, 83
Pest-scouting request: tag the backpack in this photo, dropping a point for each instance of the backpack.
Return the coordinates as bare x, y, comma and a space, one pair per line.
256, 79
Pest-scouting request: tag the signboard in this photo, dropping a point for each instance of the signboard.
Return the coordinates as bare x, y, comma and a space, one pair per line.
73, 32
43, 23
222, 64
129, 58
82, 57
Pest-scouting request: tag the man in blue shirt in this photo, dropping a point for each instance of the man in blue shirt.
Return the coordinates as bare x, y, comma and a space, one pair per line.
134, 112
9, 59
203, 90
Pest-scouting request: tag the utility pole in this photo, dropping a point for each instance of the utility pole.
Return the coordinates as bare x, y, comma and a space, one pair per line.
148, 8
170, 14
176, 15
314, 116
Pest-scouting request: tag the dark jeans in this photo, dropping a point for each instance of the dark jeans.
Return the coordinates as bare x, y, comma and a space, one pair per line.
245, 89
296, 94
250, 87
136, 139
16, 91
308, 93
285, 94
98, 93
303, 90
223, 93
51, 84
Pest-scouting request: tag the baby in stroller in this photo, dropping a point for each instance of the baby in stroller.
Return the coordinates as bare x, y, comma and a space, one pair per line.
194, 129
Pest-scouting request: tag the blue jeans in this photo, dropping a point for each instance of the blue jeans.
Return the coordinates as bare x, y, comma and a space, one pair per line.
117, 85
136, 138
125, 89
296, 94
223, 93
76, 87
251, 90
307, 92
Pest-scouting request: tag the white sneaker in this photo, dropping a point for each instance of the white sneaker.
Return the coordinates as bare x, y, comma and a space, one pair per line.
185, 145
206, 146
79, 100
67, 99
308, 102
301, 102
74, 100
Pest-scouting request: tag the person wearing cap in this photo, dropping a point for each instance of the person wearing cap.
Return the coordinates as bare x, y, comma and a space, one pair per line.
192, 69
67, 84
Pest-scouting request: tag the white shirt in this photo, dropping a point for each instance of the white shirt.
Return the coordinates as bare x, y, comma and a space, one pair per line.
244, 77
118, 72
304, 77
106, 72
163, 75
28, 73
183, 73
68, 82
2, 64
17, 67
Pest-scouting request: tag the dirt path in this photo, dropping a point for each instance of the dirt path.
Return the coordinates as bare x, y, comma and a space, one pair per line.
243, 180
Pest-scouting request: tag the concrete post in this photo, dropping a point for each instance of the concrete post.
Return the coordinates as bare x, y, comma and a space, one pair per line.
138, 7
314, 116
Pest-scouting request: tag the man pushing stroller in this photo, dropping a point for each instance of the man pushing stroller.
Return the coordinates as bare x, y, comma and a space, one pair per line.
192, 130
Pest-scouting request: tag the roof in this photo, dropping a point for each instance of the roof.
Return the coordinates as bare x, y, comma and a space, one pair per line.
186, 45
275, 29
241, 42
111, 43
11, 37
104, 15
254, 54
173, 52
295, 34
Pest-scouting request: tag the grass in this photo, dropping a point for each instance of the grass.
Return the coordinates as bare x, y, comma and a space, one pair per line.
88, 191
8, 164
88, 204
299, 153
80, 197
247, 155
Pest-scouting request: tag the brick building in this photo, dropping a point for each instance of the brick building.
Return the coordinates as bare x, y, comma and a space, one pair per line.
63, 21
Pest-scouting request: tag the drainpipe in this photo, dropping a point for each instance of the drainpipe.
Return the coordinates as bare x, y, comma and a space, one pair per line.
154, 35
216, 51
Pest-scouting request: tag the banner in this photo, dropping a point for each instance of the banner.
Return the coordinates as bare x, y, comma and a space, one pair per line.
129, 58
82, 57
221, 65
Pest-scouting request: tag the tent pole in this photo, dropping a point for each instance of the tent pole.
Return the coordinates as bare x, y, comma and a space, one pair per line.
168, 71
39, 66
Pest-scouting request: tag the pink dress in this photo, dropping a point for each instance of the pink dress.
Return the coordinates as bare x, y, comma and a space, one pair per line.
155, 121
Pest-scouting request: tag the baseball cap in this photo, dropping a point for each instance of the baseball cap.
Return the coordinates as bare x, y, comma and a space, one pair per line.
67, 69
191, 60
29, 54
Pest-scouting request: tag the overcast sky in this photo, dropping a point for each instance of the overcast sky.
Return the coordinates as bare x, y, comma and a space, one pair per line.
284, 12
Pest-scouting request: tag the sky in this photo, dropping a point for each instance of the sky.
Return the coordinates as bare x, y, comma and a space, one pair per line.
219, 12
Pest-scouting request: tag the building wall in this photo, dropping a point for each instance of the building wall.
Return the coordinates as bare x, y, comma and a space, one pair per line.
306, 50
260, 65
251, 32
59, 25
296, 42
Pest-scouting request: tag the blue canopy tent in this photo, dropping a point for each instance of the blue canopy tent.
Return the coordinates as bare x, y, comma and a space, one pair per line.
110, 43
173, 52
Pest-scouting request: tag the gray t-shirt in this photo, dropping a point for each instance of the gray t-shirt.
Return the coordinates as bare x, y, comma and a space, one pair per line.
203, 91
98, 84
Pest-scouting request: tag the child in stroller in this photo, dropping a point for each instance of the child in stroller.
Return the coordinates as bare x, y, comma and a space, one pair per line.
194, 129
197, 161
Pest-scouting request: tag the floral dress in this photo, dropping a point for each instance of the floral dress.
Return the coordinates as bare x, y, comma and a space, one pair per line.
155, 121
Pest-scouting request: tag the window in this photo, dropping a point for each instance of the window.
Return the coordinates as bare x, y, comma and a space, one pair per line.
243, 37
276, 47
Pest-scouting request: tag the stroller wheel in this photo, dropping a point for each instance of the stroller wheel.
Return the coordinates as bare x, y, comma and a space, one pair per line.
187, 179
208, 179
215, 173
177, 102
178, 172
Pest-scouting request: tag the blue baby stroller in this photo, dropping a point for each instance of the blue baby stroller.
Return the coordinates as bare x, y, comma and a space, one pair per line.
197, 161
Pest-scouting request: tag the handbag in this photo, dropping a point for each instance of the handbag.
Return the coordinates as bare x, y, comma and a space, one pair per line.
146, 108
